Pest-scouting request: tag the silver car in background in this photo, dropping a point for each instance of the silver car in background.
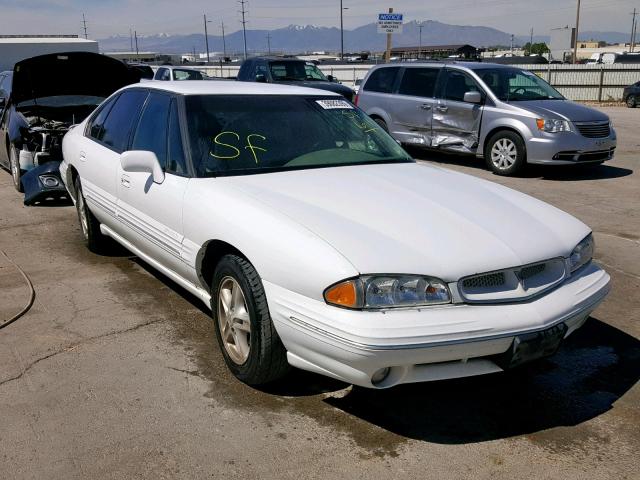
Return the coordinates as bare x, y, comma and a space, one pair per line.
507, 115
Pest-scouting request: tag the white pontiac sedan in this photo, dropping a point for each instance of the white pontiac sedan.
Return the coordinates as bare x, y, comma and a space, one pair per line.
319, 243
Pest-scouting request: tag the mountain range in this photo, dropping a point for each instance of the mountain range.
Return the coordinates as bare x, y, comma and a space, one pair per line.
307, 38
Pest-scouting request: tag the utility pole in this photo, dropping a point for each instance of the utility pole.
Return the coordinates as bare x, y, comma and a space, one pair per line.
341, 32
224, 43
633, 31
243, 11
387, 55
135, 34
575, 44
511, 44
206, 37
531, 42
131, 40
269, 43
420, 42
84, 24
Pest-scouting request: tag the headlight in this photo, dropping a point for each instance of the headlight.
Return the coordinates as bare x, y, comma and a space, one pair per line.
552, 125
49, 181
388, 291
582, 254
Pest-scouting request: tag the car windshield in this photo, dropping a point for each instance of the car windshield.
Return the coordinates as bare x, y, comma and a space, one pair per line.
288, 71
516, 85
187, 74
250, 134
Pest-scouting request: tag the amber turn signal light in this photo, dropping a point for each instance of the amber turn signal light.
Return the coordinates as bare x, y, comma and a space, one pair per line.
344, 294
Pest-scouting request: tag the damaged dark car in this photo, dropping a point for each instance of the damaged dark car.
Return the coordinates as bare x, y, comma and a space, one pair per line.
39, 101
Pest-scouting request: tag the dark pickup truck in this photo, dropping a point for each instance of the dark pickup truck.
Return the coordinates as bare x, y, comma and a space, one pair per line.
291, 71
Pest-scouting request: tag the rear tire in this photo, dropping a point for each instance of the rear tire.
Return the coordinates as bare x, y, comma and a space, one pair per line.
89, 224
14, 167
632, 102
382, 124
505, 153
248, 340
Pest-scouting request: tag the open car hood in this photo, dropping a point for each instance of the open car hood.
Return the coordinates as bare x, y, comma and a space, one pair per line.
71, 73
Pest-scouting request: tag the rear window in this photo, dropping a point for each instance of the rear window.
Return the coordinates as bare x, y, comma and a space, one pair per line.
382, 80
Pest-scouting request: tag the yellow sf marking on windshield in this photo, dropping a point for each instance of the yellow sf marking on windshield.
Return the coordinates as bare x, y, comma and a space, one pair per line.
215, 140
253, 147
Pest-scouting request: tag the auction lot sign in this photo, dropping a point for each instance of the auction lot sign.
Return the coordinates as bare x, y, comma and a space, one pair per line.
390, 23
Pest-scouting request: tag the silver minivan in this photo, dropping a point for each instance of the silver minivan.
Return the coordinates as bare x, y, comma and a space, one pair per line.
507, 115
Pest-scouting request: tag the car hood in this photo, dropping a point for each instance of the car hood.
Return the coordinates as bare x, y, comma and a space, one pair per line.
70, 73
564, 109
329, 86
412, 218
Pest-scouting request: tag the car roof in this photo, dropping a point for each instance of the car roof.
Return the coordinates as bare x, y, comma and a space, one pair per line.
437, 63
279, 59
199, 87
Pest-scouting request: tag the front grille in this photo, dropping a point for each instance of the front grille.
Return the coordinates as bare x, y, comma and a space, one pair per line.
512, 284
595, 156
485, 281
594, 129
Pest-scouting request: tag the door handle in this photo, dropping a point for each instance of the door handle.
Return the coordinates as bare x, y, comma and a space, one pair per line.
442, 108
83, 156
425, 106
125, 182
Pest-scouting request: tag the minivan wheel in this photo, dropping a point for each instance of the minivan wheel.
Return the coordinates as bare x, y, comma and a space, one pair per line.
382, 124
14, 165
89, 224
505, 153
631, 101
248, 340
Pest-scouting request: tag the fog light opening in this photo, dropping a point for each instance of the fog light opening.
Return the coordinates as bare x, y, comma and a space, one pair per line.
380, 375
49, 181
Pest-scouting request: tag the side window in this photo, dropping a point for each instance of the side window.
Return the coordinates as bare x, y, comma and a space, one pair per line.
457, 84
166, 75
175, 157
382, 80
162, 74
117, 127
94, 127
151, 133
419, 82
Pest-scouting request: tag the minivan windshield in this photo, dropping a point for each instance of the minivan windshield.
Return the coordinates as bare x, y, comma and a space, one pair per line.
517, 85
250, 134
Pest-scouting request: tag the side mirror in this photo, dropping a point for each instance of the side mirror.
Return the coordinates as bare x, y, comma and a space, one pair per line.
473, 97
144, 162
261, 78
332, 79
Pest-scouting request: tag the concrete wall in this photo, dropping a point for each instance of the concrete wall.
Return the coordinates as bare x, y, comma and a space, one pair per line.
15, 49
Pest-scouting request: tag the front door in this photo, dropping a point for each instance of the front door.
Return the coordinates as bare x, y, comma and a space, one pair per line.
412, 109
151, 212
456, 123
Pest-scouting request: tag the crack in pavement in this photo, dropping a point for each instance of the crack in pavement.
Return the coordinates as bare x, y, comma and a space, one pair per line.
74, 346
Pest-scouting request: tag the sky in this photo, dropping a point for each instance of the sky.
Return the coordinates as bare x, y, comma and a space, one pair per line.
148, 17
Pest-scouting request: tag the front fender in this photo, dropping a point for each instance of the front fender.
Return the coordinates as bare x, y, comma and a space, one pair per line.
493, 122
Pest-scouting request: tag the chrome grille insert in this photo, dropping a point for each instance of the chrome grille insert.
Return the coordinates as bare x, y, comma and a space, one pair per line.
593, 129
512, 284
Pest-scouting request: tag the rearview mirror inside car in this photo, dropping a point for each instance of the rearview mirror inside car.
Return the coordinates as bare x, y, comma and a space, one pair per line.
473, 97
142, 161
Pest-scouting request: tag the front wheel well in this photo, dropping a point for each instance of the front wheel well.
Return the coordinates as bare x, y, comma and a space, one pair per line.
210, 254
72, 174
502, 129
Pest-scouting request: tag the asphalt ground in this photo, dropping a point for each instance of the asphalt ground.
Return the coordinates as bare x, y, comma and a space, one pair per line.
115, 371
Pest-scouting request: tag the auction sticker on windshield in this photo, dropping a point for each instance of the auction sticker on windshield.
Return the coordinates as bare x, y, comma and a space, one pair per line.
334, 104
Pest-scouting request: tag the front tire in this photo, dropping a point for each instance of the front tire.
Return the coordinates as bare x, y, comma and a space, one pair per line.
505, 153
382, 124
248, 340
94, 240
14, 166
632, 102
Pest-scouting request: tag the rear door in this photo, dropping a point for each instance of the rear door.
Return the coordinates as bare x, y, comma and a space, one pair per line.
412, 108
376, 95
456, 123
97, 155
151, 212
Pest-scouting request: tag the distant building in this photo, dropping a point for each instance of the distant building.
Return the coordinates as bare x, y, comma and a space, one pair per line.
436, 51
14, 48
589, 44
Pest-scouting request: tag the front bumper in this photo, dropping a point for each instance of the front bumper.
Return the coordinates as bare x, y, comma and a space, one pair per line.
36, 191
423, 344
570, 148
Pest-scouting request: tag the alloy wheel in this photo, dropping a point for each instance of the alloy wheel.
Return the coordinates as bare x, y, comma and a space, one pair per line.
15, 167
234, 321
504, 153
82, 212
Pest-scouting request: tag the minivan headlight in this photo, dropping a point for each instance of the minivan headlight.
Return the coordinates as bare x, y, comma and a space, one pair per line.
551, 125
388, 291
582, 254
